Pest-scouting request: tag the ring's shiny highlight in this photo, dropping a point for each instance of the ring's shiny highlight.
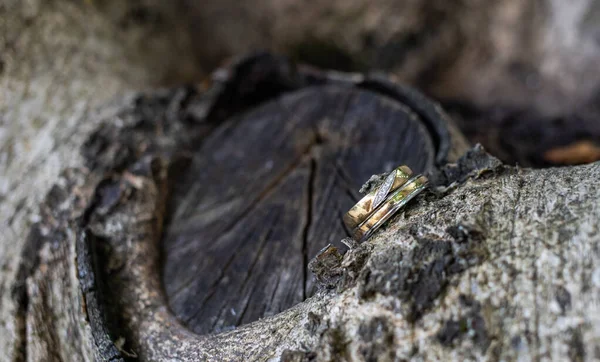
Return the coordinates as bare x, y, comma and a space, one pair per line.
371, 212
359, 212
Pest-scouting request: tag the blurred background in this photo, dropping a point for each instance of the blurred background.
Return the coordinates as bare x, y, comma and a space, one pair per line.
521, 77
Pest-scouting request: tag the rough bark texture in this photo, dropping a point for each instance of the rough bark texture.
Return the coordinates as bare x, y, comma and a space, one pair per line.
58, 61
498, 262
499, 268
469, 270
250, 208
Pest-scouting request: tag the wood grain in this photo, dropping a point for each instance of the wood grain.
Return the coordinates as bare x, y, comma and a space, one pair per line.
496, 264
267, 190
97, 259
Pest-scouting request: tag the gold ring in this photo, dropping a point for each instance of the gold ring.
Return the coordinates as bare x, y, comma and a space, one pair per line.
359, 212
389, 207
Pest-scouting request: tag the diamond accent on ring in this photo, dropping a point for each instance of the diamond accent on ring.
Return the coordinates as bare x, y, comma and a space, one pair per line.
383, 190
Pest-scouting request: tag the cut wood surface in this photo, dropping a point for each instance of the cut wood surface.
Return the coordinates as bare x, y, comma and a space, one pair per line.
267, 190
494, 262
255, 196
106, 247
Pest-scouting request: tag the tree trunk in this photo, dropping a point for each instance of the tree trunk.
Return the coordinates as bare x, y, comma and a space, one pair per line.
156, 247
59, 60
179, 224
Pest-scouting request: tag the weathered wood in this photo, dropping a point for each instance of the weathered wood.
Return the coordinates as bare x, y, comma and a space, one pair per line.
49, 312
327, 116
252, 207
450, 278
466, 272
59, 60
266, 191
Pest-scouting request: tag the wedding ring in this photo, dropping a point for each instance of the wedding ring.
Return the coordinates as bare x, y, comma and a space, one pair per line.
359, 212
389, 207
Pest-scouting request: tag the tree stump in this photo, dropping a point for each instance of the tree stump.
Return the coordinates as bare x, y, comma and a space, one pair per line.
258, 171
267, 189
187, 229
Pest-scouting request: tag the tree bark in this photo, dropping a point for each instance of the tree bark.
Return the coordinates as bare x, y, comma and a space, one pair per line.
495, 262
59, 60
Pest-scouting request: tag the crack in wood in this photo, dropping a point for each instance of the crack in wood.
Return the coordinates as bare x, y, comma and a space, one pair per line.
259, 254
335, 129
307, 224
245, 309
346, 183
270, 188
214, 286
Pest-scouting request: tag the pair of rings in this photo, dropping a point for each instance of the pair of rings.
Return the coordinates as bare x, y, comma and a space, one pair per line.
379, 205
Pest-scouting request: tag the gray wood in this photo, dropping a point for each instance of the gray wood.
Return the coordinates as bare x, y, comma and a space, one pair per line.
471, 270
266, 191
527, 289
238, 194
59, 60
452, 277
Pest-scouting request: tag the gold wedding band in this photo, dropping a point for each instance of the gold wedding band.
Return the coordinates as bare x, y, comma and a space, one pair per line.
373, 210
398, 199
359, 212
